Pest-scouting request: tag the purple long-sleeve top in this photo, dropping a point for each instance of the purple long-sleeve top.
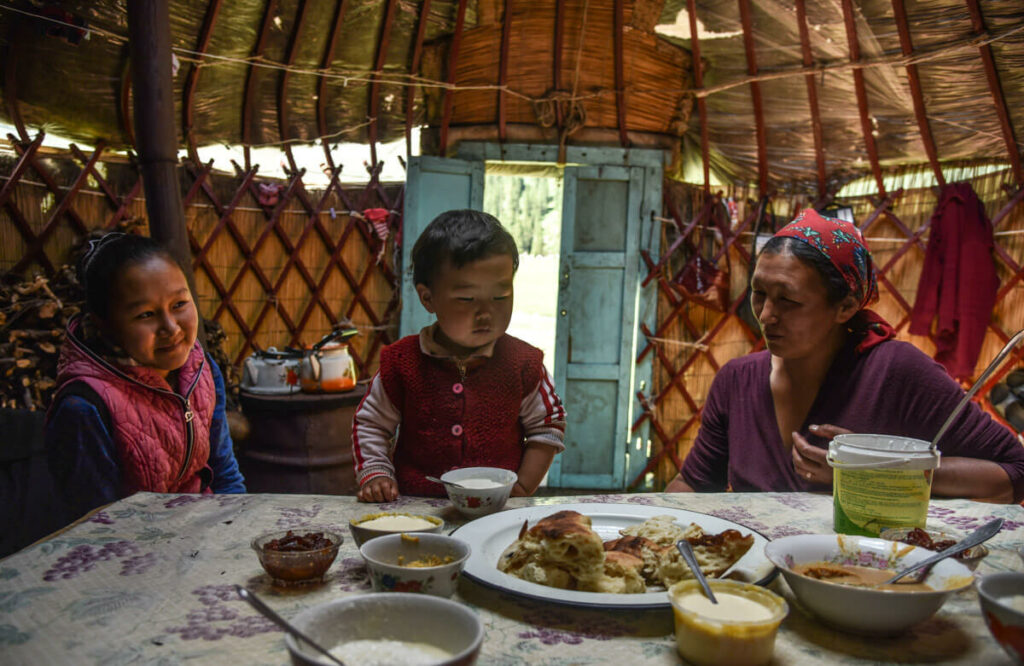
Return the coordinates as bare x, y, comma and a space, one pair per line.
891, 389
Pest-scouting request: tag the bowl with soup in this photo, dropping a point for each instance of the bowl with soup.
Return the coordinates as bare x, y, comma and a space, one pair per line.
479, 490
426, 563
379, 524
398, 628
840, 578
739, 629
1002, 605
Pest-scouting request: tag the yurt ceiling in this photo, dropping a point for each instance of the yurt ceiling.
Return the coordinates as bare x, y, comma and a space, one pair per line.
791, 94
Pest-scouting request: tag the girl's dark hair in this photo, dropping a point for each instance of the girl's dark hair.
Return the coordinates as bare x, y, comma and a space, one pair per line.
836, 288
459, 237
105, 258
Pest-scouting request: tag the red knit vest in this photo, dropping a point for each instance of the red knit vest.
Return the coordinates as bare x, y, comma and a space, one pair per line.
450, 422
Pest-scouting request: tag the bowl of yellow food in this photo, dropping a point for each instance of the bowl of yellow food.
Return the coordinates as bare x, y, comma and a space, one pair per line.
395, 628
840, 578
382, 523
428, 563
739, 629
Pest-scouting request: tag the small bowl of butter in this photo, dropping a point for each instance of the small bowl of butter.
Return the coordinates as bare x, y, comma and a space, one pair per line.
374, 525
739, 629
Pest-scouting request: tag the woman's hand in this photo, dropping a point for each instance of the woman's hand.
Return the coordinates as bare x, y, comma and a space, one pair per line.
379, 489
809, 461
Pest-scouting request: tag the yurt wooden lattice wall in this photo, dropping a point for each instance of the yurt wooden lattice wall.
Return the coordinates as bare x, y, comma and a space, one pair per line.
275, 264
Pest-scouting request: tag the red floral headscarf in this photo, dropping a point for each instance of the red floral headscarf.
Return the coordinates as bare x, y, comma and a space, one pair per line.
844, 246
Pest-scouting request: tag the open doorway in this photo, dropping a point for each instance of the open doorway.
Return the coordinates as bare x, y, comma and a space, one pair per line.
527, 199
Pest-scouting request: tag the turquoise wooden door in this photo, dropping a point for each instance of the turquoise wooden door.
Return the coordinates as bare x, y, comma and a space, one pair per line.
433, 185
600, 306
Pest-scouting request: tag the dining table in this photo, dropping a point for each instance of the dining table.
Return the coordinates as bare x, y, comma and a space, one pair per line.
150, 579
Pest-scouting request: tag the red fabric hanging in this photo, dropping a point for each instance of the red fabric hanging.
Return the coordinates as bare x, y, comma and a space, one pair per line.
958, 282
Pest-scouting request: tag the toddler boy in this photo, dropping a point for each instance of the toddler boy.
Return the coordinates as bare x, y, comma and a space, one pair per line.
461, 393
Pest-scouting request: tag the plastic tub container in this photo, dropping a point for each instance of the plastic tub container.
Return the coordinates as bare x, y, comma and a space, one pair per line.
880, 481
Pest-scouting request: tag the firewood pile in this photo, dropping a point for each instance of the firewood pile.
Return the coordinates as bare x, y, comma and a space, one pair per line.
33, 317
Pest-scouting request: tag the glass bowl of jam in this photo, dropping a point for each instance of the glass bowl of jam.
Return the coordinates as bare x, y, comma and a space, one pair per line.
935, 540
297, 556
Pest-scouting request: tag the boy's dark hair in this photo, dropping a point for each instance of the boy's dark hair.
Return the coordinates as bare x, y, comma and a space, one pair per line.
836, 288
459, 237
105, 258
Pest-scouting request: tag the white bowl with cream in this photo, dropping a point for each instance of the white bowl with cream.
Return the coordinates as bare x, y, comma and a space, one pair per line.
739, 629
378, 524
483, 490
393, 628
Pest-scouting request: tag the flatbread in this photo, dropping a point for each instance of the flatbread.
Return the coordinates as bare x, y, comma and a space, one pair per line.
562, 541
563, 551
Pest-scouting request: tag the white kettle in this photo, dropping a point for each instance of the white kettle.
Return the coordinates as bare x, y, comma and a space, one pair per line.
329, 368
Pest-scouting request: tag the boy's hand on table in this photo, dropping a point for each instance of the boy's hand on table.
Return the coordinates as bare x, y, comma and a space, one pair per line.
380, 489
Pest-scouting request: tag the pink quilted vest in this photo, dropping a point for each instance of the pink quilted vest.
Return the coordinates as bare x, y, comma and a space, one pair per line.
162, 439
453, 421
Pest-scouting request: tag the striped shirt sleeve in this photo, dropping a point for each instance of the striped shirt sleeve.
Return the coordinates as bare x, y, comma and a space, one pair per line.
373, 430
543, 416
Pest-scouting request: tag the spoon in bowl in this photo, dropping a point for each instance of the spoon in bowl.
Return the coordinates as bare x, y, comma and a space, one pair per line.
977, 537
444, 483
268, 613
686, 550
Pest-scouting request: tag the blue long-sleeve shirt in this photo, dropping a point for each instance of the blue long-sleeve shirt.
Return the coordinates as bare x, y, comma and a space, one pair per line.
83, 456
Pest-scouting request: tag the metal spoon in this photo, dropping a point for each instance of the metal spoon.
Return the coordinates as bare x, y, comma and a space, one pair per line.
686, 550
978, 536
266, 611
445, 483
977, 385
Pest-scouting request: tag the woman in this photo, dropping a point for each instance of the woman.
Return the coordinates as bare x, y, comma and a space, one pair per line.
831, 367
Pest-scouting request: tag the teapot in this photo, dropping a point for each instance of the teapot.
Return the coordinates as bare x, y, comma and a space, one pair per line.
329, 367
272, 371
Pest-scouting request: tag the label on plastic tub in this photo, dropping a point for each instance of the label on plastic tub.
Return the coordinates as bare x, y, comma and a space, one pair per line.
866, 502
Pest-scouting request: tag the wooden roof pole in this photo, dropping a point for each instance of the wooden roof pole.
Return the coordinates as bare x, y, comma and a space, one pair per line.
812, 97
192, 81
862, 97
556, 67
698, 81
18, 33
453, 61
378, 67
996, 89
250, 80
506, 38
619, 27
414, 67
282, 88
907, 46
149, 45
321, 87
755, 96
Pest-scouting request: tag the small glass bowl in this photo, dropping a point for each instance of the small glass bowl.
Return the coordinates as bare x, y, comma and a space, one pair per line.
970, 557
297, 567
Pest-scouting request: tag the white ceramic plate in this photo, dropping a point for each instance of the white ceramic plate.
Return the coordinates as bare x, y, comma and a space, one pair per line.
489, 536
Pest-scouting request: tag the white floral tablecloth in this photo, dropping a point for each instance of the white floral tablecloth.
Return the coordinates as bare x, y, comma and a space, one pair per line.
150, 580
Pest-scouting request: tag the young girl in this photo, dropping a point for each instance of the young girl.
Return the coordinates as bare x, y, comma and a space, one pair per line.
139, 405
